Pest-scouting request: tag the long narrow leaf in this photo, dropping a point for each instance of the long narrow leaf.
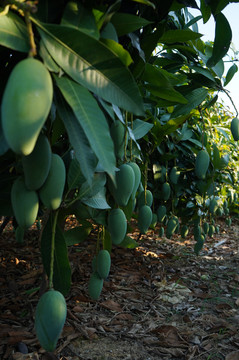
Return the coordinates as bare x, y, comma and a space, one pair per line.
78, 140
195, 98
92, 120
222, 41
13, 33
93, 65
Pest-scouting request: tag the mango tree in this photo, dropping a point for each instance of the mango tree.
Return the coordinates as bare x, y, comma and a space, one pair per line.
102, 117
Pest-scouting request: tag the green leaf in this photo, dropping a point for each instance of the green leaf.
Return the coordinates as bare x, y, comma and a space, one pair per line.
129, 243
13, 32
89, 190
141, 128
205, 10
97, 201
80, 17
118, 50
166, 93
127, 23
75, 178
195, 98
78, 140
92, 121
193, 21
173, 36
222, 40
205, 72
109, 32
158, 83
101, 71
160, 131
231, 72
48, 61
62, 269
77, 234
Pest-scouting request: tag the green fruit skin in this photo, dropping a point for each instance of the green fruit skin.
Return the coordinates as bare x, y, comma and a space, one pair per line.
36, 166
117, 225
154, 221
166, 191
211, 230
171, 227
197, 232
144, 218
184, 231
202, 164
219, 211
199, 244
174, 175
206, 228
213, 206
145, 198
125, 180
26, 103
160, 173
103, 261
235, 129
161, 232
52, 190
137, 177
161, 213
95, 286
25, 204
117, 132
50, 318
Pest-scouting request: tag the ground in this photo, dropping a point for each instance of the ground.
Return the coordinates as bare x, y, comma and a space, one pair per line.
161, 301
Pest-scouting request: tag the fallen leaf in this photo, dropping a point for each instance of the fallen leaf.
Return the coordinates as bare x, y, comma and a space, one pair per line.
112, 305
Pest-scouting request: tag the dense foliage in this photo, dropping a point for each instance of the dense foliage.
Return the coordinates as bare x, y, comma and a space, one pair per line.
110, 111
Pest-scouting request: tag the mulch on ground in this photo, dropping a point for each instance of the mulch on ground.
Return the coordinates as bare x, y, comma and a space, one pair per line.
160, 301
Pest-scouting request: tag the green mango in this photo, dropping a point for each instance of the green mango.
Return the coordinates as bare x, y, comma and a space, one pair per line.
161, 213
166, 191
117, 132
137, 177
145, 198
174, 175
25, 204
144, 218
125, 180
26, 103
171, 226
161, 232
235, 128
52, 190
117, 225
184, 231
103, 261
206, 228
202, 164
50, 318
95, 286
36, 166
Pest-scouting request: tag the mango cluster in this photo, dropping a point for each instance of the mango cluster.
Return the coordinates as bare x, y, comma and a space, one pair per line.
25, 107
